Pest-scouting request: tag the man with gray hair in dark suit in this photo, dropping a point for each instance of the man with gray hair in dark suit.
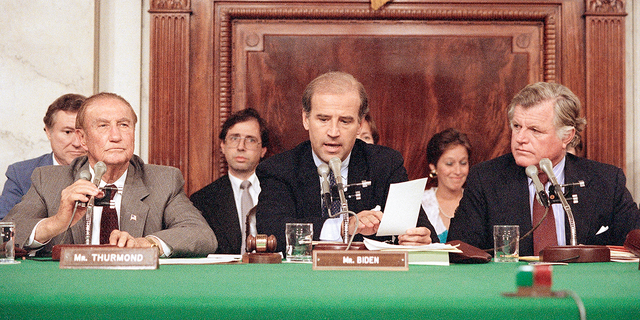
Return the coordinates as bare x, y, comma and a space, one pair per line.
148, 207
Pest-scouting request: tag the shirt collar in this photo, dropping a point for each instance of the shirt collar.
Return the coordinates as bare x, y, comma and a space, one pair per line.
235, 181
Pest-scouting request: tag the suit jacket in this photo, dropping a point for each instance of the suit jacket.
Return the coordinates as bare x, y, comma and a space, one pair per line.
19, 181
291, 188
497, 192
218, 207
153, 203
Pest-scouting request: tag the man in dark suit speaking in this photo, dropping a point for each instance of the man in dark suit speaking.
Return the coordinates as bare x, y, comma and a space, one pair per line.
333, 107
225, 202
148, 207
544, 119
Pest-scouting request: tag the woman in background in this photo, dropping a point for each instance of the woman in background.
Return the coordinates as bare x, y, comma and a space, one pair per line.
448, 154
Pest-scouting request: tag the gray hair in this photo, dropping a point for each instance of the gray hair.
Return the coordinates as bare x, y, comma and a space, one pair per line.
567, 107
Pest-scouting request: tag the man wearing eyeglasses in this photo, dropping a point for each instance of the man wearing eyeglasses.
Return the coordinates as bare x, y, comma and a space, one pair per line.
225, 202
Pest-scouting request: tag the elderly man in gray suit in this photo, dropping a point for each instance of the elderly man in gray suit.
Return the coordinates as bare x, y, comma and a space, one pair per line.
149, 208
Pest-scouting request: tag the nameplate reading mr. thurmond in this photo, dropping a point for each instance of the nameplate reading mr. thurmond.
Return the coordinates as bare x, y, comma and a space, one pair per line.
92, 257
359, 260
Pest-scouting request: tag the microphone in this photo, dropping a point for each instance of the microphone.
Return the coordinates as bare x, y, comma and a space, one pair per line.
85, 175
547, 167
99, 169
541, 195
335, 163
323, 171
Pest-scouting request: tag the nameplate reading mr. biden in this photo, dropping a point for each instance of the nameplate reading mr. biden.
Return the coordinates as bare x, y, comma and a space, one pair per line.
108, 257
360, 260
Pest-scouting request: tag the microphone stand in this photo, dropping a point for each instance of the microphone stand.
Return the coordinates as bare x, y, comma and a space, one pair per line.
572, 252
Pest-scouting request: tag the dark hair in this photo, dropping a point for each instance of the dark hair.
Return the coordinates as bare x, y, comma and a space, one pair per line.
335, 82
442, 141
99, 96
374, 129
242, 116
69, 102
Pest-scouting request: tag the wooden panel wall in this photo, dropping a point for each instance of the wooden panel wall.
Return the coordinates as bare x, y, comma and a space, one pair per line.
426, 65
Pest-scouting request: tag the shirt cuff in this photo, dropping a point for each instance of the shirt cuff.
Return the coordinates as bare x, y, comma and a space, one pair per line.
331, 230
31, 242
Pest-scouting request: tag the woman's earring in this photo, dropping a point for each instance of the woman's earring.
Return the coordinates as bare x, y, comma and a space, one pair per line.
433, 174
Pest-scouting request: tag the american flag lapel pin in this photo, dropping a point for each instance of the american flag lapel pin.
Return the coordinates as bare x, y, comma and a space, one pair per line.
134, 218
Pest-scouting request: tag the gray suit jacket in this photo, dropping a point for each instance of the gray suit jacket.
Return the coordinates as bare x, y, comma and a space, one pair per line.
153, 203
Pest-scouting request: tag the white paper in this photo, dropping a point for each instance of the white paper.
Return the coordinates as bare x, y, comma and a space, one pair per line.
402, 208
374, 245
210, 259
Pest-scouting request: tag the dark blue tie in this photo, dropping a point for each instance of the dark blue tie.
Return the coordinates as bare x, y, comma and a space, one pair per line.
335, 204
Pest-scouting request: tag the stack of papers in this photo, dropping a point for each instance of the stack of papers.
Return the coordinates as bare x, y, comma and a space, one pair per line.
431, 254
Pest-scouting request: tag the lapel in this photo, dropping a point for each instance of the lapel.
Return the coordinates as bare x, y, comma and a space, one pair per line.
572, 173
228, 215
308, 179
133, 211
358, 171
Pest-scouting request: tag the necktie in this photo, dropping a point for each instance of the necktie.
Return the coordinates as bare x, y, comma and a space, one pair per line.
545, 235
246, 203
109, 220
335, 204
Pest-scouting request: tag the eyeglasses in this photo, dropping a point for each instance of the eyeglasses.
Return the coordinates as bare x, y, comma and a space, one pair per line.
249, 142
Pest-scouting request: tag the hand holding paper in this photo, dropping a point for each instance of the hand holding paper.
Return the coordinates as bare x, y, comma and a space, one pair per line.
402, 208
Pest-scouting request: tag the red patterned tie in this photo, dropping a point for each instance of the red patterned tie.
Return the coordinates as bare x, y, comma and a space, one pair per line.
109, 220
545, 235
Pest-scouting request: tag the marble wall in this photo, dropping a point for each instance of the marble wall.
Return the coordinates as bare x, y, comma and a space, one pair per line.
46, 50
49, 48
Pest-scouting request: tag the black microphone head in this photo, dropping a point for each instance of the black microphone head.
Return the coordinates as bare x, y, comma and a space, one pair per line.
85, 175
532, 171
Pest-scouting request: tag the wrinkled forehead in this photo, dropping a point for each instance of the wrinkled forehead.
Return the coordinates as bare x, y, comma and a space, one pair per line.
103, 108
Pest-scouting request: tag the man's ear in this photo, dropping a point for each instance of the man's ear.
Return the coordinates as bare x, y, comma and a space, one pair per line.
305, 120
568, 136
83, 139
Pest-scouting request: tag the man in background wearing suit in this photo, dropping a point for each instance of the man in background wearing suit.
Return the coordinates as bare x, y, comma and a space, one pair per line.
149, 208
334, 105
544, 119
244, 140
59, 125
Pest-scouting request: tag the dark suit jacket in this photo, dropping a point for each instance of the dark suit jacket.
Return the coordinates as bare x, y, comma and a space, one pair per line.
19, 181
153, 203
218, 206
497, 193
291, 188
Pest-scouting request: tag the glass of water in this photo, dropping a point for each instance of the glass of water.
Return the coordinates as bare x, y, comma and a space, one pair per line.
7, 246
299, 241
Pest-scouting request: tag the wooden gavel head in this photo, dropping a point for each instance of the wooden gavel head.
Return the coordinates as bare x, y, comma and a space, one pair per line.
261, 243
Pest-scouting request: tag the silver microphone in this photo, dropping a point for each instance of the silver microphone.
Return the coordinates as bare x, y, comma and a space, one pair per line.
323, 171
541, 195
335, 164
99, 169
547, 167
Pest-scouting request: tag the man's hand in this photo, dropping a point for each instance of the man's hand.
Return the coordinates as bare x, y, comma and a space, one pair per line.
415, 237
123, 239
81, 191
368, 223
